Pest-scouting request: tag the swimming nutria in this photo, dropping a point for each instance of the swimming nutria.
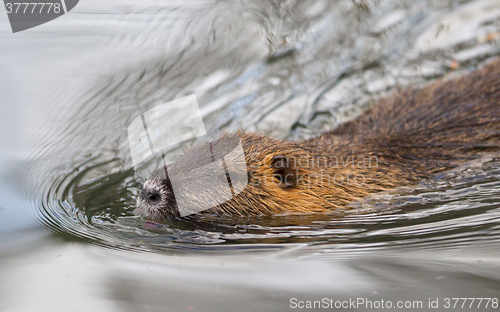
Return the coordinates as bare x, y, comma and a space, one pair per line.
407, 137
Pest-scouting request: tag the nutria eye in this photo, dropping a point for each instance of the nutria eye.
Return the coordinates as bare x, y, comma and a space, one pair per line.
284, 171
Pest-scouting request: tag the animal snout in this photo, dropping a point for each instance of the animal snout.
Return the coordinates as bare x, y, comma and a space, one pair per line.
156, 200
153, 197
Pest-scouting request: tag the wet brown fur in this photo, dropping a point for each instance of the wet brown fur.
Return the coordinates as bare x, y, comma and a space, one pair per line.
413, 135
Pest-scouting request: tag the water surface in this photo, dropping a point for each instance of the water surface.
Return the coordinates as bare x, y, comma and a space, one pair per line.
290, 69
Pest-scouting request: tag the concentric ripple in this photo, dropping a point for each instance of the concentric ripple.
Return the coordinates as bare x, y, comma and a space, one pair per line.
456, 209
291, 70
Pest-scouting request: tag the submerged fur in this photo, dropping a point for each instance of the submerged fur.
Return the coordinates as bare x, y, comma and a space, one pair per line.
405, 138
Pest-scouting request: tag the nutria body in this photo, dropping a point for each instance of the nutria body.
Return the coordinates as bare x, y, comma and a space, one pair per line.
403, 139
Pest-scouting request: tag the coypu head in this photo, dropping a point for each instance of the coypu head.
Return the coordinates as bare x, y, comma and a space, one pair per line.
277, 177
156, 200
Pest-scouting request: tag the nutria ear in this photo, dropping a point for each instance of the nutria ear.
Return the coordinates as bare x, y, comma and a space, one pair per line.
284, 171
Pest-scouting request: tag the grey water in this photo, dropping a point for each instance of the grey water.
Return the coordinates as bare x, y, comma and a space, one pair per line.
290, 69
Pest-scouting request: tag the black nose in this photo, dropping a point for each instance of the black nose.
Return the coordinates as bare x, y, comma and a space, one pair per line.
152, 197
